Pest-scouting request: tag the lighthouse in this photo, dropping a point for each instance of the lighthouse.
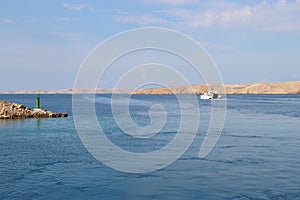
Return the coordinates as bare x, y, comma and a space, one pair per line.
37, 103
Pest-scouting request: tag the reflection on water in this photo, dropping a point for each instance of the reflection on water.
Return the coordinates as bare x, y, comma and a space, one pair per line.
38, 122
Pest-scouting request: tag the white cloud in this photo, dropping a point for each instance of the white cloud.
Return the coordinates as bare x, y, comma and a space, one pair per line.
170, 2
215, 46
68, 35
26, 19
7, 21
240, 15
74, 6
145, 19
264, 16
271, 16
64, 19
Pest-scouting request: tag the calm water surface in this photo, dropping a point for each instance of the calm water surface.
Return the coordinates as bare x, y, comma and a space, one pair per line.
257, 156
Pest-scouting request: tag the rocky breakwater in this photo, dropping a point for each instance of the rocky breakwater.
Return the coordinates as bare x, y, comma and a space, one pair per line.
10, 110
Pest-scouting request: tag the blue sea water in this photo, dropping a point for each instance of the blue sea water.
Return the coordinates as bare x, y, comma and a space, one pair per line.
256, 157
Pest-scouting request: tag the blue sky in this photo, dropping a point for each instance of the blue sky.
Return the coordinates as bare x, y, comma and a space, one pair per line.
44, 42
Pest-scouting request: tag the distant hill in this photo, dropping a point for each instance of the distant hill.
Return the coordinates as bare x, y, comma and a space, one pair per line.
4, 92
71, 91
256, 88
265, 88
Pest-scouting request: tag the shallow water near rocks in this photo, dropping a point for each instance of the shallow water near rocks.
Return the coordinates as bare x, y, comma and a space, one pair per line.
256, 157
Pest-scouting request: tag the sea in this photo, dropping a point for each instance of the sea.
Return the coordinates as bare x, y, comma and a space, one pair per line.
257, 155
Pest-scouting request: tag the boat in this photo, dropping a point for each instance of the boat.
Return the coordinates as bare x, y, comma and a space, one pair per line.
210, 95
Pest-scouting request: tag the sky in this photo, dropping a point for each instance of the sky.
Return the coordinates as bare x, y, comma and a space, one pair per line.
43, 43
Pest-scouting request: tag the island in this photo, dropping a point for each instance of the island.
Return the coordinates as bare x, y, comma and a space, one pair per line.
256, 88
9, 110
292, 87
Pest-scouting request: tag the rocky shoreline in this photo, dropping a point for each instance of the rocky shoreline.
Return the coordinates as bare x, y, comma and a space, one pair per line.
9, 110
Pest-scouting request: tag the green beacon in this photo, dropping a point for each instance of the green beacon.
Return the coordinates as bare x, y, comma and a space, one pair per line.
37, 103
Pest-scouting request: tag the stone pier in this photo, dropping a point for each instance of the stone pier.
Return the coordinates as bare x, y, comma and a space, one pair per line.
9, 110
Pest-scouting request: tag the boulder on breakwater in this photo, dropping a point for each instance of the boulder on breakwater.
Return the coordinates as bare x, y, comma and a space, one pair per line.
9, 110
